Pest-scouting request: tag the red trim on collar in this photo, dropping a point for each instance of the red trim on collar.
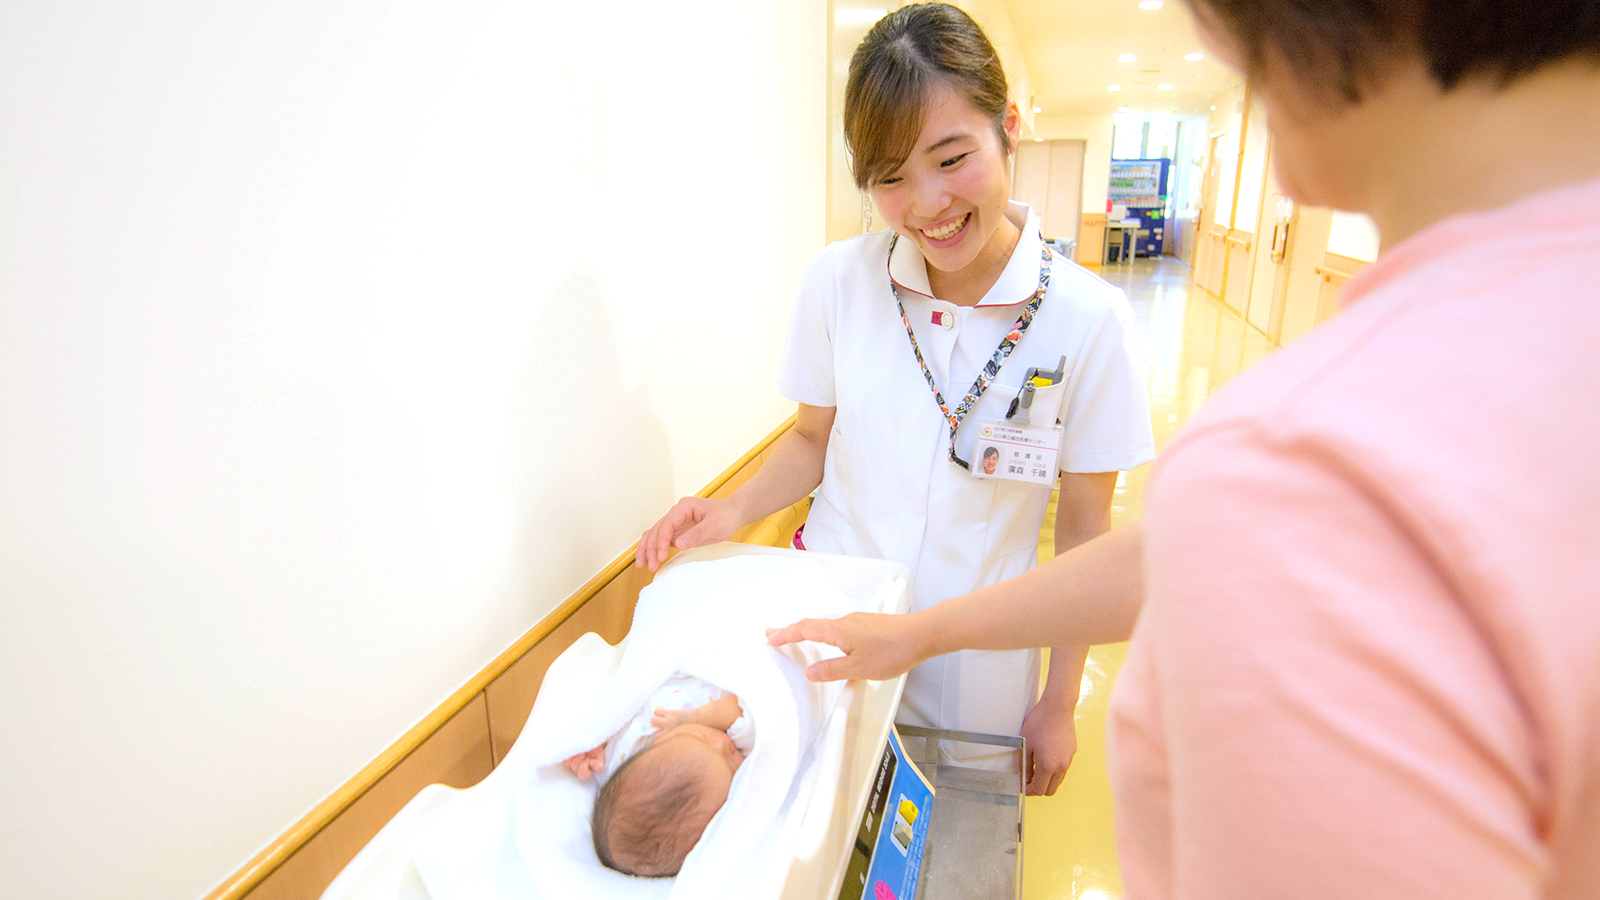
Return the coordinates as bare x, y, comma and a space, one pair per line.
888, 266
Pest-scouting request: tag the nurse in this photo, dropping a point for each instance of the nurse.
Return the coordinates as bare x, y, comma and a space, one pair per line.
914, 351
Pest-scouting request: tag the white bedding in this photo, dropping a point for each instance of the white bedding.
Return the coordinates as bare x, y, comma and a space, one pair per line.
524, 832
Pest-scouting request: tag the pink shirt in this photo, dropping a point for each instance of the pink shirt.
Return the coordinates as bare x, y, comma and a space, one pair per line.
1369, 662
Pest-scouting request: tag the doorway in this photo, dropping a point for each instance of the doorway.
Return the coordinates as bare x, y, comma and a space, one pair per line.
1049, 177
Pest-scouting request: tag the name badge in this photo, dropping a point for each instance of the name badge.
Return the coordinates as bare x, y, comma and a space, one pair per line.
1025, 453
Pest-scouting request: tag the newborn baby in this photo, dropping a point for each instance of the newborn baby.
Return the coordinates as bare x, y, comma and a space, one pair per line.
665, 774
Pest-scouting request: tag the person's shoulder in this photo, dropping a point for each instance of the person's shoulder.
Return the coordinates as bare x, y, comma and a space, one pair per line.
871, 246
850, 257
1089, 300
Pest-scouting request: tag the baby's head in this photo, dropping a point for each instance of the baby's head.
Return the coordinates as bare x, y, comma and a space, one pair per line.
658, 803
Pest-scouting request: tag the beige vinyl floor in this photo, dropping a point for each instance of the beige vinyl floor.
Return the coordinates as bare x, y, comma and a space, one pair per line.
1193, 344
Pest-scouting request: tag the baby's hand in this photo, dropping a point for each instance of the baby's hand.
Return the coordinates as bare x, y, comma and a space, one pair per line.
719, 714
586, 763
663, 719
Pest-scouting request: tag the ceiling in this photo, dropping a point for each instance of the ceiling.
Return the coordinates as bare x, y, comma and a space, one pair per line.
1071, 48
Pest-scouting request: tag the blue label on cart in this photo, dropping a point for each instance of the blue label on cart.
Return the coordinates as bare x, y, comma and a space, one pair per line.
886, 859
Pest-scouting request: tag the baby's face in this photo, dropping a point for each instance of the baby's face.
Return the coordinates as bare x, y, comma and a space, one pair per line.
708, 748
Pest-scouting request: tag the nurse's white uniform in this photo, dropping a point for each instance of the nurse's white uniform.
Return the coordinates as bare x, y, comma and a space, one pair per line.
889, 489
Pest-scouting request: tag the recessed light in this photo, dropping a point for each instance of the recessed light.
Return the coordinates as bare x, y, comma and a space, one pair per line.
1163, 87
1194, 57
1039, 139
1113, 87
1127, 57
1213, 107
1149, 4
1038, 109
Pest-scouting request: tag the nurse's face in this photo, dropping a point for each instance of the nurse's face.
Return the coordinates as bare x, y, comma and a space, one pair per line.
950, 195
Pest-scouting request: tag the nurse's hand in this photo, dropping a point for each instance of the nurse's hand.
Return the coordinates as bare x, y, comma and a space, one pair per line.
875, 646
1052, 738
693, 522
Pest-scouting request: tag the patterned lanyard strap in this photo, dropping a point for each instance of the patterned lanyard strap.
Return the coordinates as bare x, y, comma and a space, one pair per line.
990, 368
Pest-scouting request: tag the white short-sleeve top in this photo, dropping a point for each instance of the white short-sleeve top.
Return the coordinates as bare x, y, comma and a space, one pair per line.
889, 489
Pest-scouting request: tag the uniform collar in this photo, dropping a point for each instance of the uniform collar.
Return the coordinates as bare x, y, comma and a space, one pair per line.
1018, 280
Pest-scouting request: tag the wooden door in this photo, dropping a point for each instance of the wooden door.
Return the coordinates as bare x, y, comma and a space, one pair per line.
1030, 178
1066, 190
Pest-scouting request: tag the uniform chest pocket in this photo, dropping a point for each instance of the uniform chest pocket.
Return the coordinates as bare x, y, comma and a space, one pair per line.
1017, 510
1045, 407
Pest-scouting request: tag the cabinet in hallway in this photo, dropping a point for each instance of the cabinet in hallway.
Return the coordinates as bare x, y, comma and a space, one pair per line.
1049, 177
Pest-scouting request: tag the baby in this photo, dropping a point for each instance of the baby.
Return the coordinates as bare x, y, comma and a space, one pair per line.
665, 774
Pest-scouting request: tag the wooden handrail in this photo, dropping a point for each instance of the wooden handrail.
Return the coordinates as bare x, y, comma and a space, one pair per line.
247, 878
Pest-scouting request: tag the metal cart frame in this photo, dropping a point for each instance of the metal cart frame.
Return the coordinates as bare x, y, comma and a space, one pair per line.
971, 851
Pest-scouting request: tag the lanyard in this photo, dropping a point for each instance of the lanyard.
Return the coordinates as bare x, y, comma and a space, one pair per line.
990, 368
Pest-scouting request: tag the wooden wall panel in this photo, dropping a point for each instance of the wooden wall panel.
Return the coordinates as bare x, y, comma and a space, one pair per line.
510, 697
458, 754
1240, 248
1091, 238
1216, 261
1335, 272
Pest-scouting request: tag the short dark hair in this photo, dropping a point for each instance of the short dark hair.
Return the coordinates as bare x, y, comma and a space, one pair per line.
990, 451
1344, 46
653, 829
895, 68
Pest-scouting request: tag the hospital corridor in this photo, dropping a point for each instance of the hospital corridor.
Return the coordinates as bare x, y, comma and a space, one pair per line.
1194, 344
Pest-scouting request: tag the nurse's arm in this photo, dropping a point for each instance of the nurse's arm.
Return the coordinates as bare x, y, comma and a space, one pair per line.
1089, 595
1083, 513
792, 470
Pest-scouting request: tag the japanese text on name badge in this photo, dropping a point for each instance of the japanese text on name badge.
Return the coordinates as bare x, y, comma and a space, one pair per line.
1017, 453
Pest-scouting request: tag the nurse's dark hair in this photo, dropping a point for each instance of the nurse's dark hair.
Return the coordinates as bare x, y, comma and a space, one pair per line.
894, 71
1341, 48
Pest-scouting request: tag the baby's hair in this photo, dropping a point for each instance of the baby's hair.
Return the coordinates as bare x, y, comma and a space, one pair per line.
654, 824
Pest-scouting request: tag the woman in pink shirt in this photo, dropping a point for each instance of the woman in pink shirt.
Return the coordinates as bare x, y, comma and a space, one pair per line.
1367, 590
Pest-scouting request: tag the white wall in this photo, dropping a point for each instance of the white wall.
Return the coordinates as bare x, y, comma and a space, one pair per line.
1253, 174
1228, 118
340, 341
1353, 235
1095, 132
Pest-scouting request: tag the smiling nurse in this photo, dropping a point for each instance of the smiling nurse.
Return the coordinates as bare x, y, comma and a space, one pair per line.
911, 345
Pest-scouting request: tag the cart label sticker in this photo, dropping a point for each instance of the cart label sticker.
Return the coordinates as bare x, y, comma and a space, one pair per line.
887, 855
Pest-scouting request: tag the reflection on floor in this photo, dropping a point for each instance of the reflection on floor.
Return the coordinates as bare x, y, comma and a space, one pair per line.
1192, 344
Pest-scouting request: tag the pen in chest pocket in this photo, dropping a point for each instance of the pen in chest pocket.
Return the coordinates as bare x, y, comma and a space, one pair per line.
1018, 412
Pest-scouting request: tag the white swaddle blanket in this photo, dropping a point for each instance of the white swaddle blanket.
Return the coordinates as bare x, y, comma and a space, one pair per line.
706, 619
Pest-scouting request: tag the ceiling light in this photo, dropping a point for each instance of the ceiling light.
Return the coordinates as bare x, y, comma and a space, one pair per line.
1213, 107
1194, 57
1149, 4
1163, 87
1038, 139
1113, 87
1127, 57
1038, 109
